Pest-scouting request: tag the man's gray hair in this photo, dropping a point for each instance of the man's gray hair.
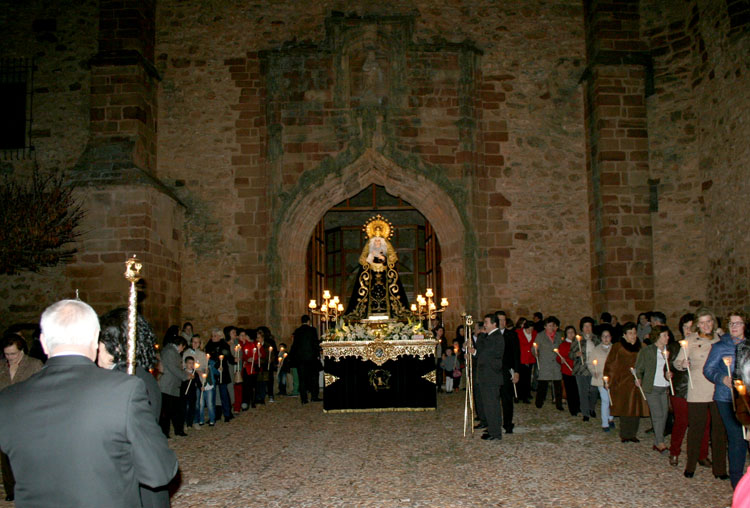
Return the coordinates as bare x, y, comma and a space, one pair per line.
69, 322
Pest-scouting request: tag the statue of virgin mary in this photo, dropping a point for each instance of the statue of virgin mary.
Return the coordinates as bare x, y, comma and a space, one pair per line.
378, 292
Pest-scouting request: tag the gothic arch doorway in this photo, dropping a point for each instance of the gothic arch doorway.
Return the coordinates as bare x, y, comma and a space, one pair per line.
310, 202
336, 244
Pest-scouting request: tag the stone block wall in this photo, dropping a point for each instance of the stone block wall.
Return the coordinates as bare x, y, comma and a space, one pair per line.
698, 152
571, 160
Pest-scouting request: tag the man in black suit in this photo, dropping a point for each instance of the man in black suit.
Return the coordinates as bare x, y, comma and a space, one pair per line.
305, 356
511, 360
78, 435
489, 353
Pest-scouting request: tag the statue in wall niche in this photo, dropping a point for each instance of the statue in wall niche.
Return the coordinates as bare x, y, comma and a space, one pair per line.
378, 292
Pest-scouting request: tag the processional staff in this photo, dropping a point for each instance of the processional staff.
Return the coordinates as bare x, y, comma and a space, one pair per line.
133, 275
469, 402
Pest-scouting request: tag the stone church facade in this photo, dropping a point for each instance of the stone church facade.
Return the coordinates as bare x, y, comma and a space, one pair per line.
573, 157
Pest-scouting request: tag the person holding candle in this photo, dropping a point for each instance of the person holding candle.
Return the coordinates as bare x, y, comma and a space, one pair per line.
654, 379
271, 360
217, 348
680, 381
511, 366
250, 368
172, 403
579, 350
596, 358
703, 414
549, 370
626, 401
261, 366
566, 368
526, 338
719, 373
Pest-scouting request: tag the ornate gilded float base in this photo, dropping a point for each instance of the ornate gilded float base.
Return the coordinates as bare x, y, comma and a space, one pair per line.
329, 379
378, 351
431, 376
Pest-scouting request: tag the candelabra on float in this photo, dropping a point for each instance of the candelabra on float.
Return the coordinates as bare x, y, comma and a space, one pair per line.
330, 310
425, 308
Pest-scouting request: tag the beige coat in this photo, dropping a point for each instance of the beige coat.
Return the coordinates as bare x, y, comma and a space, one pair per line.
598, 353
702, 389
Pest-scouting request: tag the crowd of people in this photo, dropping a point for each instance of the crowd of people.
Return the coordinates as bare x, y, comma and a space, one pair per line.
689, 383
245, 366
685, 382
181, 377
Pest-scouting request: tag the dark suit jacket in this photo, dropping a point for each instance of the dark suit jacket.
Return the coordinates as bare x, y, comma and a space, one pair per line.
511, 354
81, 436
305, 346
490, 350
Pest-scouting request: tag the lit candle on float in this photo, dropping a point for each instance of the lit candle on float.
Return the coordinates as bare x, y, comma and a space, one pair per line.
429, 293
444, 302
326, 295
414, 307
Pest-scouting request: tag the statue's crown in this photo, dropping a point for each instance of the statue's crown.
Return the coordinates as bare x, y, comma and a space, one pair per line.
378, 226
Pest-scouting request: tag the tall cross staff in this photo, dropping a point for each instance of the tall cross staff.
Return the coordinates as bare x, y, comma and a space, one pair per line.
469, 402
133, 275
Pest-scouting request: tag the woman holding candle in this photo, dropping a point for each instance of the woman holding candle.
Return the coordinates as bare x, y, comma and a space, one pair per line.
718, 369
703, 415
680, 381
626, 401
218, 349
549, 370
249, 353
526, 338
566, 369
579, 350
260, 367
595, 361
654, 379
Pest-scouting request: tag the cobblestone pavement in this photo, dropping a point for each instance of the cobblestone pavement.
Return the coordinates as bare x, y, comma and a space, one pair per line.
285, 454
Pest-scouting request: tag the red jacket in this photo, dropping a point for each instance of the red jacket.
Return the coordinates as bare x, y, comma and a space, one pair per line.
564, 351
254, 356
527, 354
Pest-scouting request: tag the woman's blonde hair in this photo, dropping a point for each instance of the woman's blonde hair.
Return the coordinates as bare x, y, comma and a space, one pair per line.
704, 311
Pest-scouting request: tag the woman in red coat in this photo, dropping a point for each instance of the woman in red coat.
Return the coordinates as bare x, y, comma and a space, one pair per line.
526, 338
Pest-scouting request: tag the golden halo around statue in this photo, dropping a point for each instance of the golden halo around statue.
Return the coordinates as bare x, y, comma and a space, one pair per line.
378, 226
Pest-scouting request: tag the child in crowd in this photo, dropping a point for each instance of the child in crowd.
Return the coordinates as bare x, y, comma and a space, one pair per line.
448, 364
191, 390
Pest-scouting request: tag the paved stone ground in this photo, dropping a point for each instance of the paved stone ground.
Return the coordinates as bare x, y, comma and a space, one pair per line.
289, 455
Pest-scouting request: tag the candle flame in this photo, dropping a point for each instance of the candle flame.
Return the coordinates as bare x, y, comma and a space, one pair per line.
727, 360
684, 343
595, 362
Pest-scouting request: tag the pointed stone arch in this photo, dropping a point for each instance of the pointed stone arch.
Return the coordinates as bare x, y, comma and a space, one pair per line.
309, 202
